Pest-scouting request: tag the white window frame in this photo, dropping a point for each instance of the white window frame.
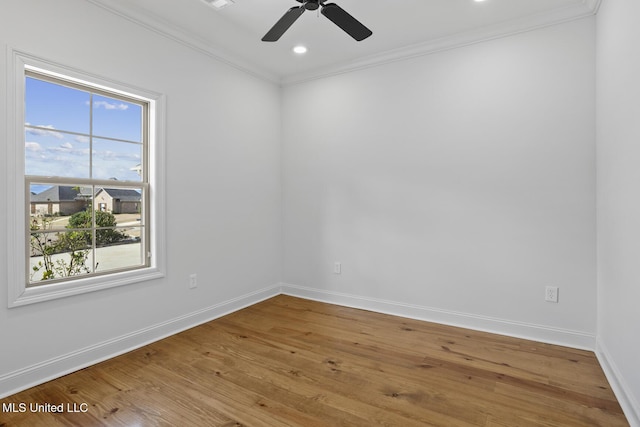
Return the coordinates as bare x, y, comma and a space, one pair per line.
19, 293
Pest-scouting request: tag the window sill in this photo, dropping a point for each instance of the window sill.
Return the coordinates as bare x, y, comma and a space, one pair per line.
46, 292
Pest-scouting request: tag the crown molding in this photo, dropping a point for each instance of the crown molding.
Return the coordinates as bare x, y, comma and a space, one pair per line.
593, 5
160, 26
180, 35
517, 26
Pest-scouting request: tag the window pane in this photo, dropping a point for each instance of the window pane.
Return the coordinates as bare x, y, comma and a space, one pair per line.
56, 154
48, 223
119, 228
56, 107
119, 160
124, 254
79, 133
57, 255
51, 205
125, 203
132, 234
113, 118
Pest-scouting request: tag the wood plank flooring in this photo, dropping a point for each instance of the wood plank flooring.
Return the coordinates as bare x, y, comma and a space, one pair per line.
293, 362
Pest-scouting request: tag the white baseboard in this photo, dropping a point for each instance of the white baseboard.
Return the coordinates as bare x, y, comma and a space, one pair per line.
630, 405
25, 378
528, 331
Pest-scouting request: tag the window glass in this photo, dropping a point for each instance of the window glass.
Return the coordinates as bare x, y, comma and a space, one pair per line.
114, 118
52, 153
84, 170
56, 106
117, 160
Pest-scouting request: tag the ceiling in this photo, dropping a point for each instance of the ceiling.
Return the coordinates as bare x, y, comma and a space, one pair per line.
401, 28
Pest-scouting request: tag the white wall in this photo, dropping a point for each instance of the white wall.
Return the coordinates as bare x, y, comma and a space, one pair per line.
452, 186
618, 139
223, 190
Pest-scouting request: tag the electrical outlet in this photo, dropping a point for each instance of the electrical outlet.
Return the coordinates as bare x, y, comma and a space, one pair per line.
337, 268
193, 281
551, 294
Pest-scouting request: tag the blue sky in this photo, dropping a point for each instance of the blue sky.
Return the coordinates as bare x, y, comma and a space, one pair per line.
61, 144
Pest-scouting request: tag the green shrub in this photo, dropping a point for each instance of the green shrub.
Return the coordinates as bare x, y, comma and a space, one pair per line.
103, 219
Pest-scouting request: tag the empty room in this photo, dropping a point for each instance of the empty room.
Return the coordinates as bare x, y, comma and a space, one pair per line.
319, 213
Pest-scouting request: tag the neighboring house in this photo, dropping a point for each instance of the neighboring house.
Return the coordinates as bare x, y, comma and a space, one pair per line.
59, 200
117, 200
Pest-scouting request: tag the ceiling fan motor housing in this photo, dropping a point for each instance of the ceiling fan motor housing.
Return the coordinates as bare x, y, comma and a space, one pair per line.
311, 4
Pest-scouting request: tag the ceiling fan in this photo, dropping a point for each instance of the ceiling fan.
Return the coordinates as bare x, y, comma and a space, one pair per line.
335, 13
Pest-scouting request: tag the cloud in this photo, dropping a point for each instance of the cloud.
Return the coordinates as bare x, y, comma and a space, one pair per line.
110, 106
81, 139
67, 149
34, 147
71, 159
43, 130
109, 155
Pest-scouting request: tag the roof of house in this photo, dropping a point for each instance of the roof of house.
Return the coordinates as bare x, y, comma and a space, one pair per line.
123, 194
57, 194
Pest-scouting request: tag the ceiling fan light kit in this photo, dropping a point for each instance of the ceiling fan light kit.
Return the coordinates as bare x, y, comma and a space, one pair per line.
218, 4
332, 11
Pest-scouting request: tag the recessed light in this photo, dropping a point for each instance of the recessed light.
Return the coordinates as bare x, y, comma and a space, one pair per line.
300, 49
218, 4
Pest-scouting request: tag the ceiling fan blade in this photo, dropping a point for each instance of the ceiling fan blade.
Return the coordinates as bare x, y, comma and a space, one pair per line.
348, 23
283, 24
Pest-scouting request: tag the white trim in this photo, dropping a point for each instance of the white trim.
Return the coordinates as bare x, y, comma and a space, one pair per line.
593, 5
15, 225
181, 35
15, 187
629, 403
47, 370
529, 331
19, 294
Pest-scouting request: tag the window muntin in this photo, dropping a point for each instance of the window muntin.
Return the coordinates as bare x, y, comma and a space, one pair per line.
87, 177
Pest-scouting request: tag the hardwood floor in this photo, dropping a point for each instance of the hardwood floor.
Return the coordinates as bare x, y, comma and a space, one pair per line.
294, 362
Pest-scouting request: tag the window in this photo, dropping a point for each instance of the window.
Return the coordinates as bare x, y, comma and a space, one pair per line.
87, 156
